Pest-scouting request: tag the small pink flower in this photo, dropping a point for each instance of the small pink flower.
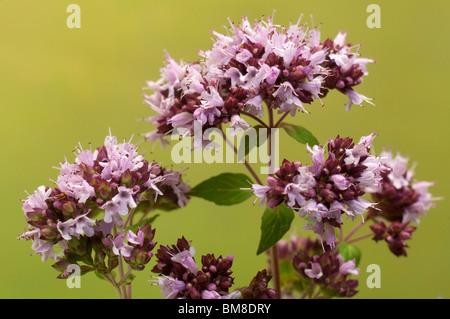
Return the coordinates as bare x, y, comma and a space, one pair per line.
170, 286
315, 271
186, 259
124, 199
36, 201
349, 267
136, 239
119, 246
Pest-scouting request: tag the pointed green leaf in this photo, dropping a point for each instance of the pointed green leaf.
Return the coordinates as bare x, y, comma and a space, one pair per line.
224, 189
99, 275
300, 134
274, 224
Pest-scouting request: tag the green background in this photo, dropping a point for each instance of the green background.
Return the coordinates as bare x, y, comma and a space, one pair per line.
61, 86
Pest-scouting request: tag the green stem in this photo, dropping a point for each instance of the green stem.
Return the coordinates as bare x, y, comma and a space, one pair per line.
113, 282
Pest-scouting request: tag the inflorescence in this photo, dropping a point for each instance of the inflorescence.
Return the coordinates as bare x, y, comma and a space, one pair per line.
94, 200
286, 68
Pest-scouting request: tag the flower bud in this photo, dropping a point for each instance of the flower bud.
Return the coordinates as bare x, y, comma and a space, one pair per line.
142, 257
48, 233
126, 178
68, 208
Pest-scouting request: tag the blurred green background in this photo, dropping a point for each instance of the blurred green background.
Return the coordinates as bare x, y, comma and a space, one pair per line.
61, 86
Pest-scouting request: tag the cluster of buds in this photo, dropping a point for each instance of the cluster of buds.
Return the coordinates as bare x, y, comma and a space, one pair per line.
329, 271
400, 200
285, 68
180, 277
92, 198
258, 288
395, 235
327, 189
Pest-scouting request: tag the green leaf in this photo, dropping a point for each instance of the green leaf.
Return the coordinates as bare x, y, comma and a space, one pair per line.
300, 134
85, 269
224, 189
274, 224
350, 252
99, 275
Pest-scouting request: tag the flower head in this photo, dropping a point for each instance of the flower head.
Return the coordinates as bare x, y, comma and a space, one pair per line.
330, 187
400, 197
94, 193
180, 277
402, 200
287, 68
329, 270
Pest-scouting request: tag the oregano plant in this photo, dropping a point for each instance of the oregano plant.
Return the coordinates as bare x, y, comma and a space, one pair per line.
258, 77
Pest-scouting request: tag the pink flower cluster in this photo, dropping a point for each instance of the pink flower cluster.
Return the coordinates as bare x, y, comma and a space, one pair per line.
329, 188
327, 274
399, 196
401, 200
283, 67
327, 270
180, 277
96, 193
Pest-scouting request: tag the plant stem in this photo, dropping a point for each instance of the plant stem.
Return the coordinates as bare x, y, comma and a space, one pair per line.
124, 277
273, 250
113, 282
270, 117
275, 269
360, 238
128, 220
281, 119
129, 291
144, 214
247, 165
255, 118
121, 274
270, 111
353, 231
127, 288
